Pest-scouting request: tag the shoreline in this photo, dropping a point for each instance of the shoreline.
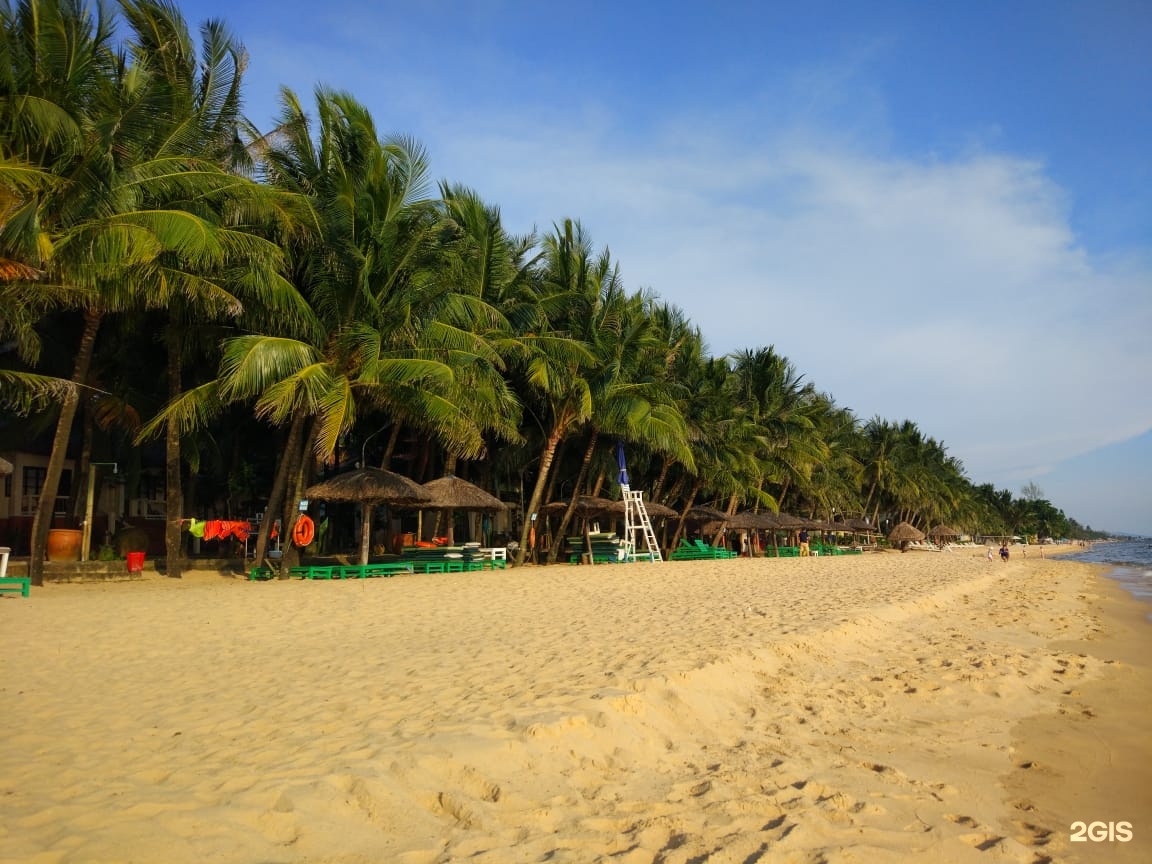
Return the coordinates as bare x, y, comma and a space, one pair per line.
842, 709
1092, 760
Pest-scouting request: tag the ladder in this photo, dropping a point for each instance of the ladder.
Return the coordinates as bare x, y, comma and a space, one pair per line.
635, 521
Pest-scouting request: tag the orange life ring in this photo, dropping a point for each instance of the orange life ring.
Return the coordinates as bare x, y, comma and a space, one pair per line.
304, 531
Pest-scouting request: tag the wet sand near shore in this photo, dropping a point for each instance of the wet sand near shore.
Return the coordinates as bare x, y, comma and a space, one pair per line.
850, 709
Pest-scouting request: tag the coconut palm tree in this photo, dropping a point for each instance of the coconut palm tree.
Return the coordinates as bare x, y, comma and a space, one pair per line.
631, 399
388, 329
134, 215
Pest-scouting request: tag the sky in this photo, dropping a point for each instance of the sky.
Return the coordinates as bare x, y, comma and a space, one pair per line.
939, 212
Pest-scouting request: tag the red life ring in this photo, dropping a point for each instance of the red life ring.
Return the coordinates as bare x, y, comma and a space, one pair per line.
304, 531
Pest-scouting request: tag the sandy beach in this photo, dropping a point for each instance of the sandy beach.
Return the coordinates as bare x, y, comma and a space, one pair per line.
886, 707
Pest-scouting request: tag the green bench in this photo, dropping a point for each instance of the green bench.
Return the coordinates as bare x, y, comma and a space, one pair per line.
698, 550
21, 585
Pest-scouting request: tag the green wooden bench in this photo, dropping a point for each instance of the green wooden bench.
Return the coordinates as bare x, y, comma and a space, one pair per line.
698, 550
21, 585
314, 572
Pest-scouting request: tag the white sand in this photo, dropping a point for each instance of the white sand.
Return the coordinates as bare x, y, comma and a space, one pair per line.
850, 709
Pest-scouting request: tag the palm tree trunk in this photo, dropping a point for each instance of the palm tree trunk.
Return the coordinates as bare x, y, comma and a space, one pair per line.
80, 486
546, 457
173, 493
658, 487
785, 486
390, 448
566, 519
42, 521
684, 515
276, 496
295, 489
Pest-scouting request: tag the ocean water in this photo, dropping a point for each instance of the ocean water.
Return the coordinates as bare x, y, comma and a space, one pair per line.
1131, 562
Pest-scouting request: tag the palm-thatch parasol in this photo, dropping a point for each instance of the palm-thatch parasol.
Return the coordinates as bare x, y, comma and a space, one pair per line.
659, 511
904, 533
587, 507
705, 514
5, 466
750, 521
370, 487
452, 493
943, 531
789, 522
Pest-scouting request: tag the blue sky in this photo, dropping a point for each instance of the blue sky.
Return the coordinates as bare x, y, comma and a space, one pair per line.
939, 212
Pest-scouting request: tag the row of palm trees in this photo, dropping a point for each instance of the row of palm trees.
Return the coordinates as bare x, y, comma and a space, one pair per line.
309, 286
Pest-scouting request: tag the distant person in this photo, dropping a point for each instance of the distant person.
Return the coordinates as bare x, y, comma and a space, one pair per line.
805, 549
1004, 552
989, 553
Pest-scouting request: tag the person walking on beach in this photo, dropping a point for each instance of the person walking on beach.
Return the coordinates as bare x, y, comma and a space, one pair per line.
805, 550
1004, 552
989, 553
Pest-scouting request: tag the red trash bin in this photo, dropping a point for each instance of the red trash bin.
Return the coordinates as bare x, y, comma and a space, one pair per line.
135, 562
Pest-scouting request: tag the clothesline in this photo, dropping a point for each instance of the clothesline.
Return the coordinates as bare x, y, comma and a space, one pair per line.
222, 529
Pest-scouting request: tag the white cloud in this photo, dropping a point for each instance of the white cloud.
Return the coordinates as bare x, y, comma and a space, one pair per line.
949, 292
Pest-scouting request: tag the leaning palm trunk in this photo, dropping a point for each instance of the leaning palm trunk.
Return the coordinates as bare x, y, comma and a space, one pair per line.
658, 486
42, 521
297, 479
279, 484
566, 519
684, 515
554, 438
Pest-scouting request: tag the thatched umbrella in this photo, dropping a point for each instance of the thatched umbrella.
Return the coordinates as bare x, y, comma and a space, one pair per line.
587, 507
943, 531
753, 522
789, 522
659, 511
451, 493
705, 514
750, 521
903, 534
370, 487
5, 466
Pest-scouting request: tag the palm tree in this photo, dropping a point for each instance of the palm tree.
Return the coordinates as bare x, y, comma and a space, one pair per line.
631, 399
134, 215
387, 329
558, 362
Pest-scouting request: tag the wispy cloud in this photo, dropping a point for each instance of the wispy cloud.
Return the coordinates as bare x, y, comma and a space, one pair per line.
949, 291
